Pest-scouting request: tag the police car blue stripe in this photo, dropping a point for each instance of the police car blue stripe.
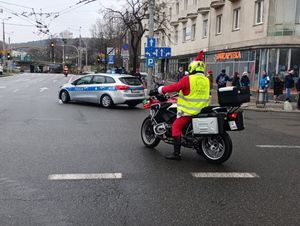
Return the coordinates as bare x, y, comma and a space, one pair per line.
98, 88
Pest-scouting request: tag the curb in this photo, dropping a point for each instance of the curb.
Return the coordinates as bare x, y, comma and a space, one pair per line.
268, 110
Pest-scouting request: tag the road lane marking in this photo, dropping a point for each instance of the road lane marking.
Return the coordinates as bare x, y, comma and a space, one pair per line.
224, 175
70, 80
92, 176
278, 146
43, 89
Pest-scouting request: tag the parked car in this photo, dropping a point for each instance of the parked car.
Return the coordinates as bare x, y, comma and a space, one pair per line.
105, 89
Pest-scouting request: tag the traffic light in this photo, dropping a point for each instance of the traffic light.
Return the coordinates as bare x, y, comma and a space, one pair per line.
98, 59
52, 45
8, 56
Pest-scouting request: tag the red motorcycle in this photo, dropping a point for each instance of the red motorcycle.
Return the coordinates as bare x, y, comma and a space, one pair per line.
207, 133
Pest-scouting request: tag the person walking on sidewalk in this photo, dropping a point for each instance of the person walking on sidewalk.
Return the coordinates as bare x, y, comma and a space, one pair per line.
236, 80
181, 73
298, 89
278, 87
245, 81
289, 84
210, 76
264, 84
222, 79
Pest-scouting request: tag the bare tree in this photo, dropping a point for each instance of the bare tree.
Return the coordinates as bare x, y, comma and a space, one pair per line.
133, 17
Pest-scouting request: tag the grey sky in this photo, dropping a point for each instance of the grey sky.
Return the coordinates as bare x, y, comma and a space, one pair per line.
72, 20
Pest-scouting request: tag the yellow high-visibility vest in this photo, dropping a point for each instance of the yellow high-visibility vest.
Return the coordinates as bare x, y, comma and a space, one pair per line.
198, 98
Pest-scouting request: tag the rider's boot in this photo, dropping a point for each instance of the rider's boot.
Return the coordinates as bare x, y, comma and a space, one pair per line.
176, 154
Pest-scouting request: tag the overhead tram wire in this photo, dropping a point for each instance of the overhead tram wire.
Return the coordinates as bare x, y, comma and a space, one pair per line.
13, 4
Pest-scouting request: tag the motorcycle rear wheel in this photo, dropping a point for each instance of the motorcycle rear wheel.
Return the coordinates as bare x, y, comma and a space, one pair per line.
216, 149
149, 138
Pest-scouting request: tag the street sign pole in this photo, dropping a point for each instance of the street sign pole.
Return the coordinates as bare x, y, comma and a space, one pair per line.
151, 35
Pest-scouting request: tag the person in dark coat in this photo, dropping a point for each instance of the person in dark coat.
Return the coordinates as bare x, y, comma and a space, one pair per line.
245, 81
289, 84
278, 87
222, 79
236, 80
181, 73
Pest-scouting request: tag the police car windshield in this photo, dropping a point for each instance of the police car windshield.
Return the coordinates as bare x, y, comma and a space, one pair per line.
131, 81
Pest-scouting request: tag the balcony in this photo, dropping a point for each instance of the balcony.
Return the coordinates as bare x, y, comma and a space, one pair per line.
183, 19
217, 4
174, 23
233, 1
192, 15
203, 10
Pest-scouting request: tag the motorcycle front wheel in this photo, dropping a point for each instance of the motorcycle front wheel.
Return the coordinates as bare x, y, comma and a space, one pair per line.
149, 138
215, 149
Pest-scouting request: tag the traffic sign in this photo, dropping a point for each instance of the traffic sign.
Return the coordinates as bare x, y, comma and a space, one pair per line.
111, 59
158, 52
151, 42
150, 62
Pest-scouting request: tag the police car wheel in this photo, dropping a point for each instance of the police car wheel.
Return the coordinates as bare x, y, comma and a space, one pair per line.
106, 101
64, 96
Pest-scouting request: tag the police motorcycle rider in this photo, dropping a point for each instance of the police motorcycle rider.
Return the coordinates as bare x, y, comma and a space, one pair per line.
193, 97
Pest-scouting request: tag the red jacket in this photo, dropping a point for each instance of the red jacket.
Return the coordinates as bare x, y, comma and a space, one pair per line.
183, 85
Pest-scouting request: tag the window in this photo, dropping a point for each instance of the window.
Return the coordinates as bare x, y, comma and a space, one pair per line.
195, 2
170, 11
83, 81
205, 26
98, 79
236, 19
259, 12
177, 8
219, 25
110, 80
176, 36
131, 81
183, 34
193, 35
186, 2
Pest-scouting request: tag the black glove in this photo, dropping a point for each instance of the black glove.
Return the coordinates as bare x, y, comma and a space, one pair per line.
153, 92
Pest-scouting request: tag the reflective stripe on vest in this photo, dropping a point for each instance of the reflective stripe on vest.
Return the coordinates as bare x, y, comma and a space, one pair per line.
198, 97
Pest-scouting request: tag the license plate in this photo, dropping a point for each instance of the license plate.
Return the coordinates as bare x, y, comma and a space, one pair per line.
135, 91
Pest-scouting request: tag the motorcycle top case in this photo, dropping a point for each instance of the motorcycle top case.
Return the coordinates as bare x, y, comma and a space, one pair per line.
208, 124
233, 97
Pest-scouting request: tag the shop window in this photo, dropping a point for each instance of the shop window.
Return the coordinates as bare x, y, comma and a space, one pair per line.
295, 63
283, 60
272, 62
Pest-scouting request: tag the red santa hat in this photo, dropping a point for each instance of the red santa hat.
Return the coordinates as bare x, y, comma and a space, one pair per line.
200, 56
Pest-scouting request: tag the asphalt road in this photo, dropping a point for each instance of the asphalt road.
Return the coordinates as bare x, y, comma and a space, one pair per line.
41, 137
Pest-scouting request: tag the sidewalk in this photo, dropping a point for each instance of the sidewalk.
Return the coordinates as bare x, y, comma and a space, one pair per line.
270, 106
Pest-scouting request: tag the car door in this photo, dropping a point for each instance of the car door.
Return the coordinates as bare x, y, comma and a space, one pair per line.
96, 88
81, 88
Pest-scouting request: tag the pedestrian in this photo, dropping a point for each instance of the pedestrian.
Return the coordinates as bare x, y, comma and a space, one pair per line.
245, 81
289, 84
222, 79
181, 73
278, 87
236, 80
264, 84
210, 76
298, 89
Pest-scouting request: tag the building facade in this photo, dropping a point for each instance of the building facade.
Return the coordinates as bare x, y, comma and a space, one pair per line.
238, 35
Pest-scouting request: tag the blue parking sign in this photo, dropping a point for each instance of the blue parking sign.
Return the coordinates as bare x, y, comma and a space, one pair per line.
150, 62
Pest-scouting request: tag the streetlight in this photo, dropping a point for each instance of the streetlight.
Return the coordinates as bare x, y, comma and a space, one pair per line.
3, 24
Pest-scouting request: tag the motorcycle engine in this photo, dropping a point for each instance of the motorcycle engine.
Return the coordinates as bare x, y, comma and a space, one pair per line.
160, 129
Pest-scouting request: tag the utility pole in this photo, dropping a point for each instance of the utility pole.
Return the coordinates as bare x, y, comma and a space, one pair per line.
3, 35
80, 50
151, 35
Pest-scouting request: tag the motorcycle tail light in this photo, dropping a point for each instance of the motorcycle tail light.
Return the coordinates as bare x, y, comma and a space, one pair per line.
233, 115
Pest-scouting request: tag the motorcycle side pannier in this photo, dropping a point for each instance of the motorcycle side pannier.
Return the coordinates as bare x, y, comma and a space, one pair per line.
233, 97
208, 124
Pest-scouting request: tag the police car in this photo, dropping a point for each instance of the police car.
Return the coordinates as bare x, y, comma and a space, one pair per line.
104, 89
